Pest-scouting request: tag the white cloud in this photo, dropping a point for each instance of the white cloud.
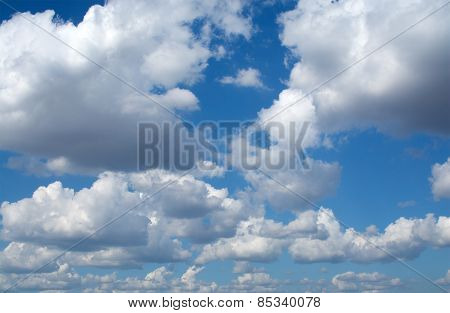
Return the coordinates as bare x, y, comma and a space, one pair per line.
303, 112
189, 277
63, 278
68, 105
255, 282
220, 227
193, 209
444, 281
440, 180
404, 238
246, 245
159, 275
41, 115
245, 267
317, 236
319, 180
384, 91
249, 77
55, 217
159, 280
61, 216
365, 282
313, 179
22, 258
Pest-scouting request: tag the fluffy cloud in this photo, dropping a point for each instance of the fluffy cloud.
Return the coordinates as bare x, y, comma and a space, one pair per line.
55, 105
245, 267
55, 217
63, 278
255, 282
164, 279
386, 90
296, 115
61, 216
193, 209
285, 161
159, 280
249, 77
320, 180
404, 238
31, 257
440, 180
245, 245
317, 236
445, 281
366, 282
220, 227
262, 240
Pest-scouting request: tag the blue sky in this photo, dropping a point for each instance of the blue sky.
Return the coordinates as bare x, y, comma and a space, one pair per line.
389, 130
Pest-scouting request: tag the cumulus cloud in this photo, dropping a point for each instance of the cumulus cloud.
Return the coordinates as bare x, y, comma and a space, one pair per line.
384, 91
317, 236
249, 77
41, 114
365, 282
284, 161
440, 180
64, 278
61, 216
188, 211
31, 257
55, 217
246, 245
255, 282
68, 105
262, 240
159, 280
245, 267
320, 180
444, 281
404, 238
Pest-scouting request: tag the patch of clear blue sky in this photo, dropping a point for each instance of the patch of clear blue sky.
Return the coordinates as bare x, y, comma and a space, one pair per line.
379, 171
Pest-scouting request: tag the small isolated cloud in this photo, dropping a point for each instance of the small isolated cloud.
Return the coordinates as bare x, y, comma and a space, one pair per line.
249, 77
440, 180
444, 280
406, 204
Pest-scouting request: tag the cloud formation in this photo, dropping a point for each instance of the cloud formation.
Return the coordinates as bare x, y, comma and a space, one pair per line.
56, 105
163, 279
54, 218
405, 238
67, 107
249, 77
364, 282
440, 180
317, 236
384, 91
444, 281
